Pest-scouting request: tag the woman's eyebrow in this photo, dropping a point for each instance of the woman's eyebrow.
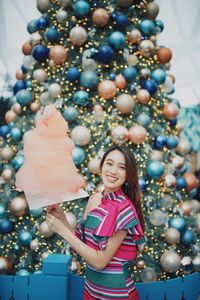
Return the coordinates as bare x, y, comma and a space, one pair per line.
109, 159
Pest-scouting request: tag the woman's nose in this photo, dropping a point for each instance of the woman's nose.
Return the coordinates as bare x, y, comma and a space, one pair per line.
113, 169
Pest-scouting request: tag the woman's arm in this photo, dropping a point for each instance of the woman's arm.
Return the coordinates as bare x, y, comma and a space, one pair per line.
97, 259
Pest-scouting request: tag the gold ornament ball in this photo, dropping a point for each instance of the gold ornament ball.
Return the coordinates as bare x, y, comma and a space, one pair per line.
10, 116
94, 165
107, 89
132, 60
17, 108
44, 230
141, 264
170, 111
164, 55
78, 35
119, 134
71, 218
170, 261
120, 81
137, 134
172, 236
58, 54
7, 174
100, 17
18, 206
27, 48
143, 96
34, 106
5, 266
81, 135
7, 153
134, 36
192, 181
125, 103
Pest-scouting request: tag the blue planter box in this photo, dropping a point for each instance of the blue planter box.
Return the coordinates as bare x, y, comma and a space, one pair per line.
57, 283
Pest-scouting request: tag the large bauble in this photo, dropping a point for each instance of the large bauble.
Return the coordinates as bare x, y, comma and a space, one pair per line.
78, 35
94, 165
107, 89
125, 103
172, 236
137, 134
81, 135
100, 17
170, 261
18, 206
44, 230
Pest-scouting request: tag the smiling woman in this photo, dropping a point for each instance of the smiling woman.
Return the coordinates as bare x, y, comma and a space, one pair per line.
112, 229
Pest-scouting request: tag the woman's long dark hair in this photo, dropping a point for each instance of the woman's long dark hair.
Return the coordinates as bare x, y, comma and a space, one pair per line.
131, 187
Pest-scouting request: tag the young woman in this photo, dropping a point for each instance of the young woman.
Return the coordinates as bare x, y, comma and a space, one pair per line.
111, 230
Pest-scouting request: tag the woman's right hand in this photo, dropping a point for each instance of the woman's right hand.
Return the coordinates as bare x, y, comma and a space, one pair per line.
58, 212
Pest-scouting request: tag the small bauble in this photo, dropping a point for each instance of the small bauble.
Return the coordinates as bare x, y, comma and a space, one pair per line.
164, 55
156, 217
183, 147
132, 60
17, 108
7, 174
58, 54
170, 261
125, 103
134, 36
54, 90
18, 206
170, 111
94, 165
186, 207
148, 274
156, 155
146, 47
10, 116
34, 244
124, 3
81, 135
152, 10
27, 48
186, 264
78, 35
141, 264
34, 106
44, 230
120, 81
40, 75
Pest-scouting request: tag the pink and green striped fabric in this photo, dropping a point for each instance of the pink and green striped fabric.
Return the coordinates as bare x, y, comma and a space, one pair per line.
116, 212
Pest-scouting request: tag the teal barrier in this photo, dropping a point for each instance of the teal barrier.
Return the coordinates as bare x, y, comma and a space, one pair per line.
57, 283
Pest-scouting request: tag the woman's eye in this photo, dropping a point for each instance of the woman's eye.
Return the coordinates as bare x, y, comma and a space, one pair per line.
123, 168
109, 164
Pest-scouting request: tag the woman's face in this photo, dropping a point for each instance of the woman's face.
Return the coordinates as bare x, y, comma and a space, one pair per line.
113, 171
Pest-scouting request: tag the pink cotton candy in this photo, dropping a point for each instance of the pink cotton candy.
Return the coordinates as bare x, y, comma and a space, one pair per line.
48, 175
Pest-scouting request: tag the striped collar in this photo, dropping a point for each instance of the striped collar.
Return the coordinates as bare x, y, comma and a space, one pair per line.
117, 195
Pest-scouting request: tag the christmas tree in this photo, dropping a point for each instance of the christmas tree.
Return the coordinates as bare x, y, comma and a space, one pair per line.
99, 63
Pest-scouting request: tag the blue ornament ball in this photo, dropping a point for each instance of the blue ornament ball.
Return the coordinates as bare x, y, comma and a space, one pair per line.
42, 23
70, 114
113, 16
4, 130
155, 169
112, 76
105, 54
32, 26
40, 52
2, 210
6, 226
51, 35
188, 237
24, 69
160, 141
25, 237
172, 142
81, 98
78, 155
22, 272
159, 76
19, 85
16, 134
28, 83
17, 162
160, 25
81, 8
150, 85
73, 74
178, 223
89, 79
147, 27
16, 248
129, 73
122, 20
173, 122
142, 184
36, 212
24, 97
143, 119
117, 40
181, 183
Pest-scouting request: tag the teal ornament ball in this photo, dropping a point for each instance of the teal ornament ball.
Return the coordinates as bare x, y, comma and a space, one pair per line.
159, 76
143, 119
36, 212
129, 73
81, 8
25, 237
32, 26
22, 272
24, 97
89, 79
81, 98
155, 169
172, 142
16, 134
17, 162
2, 210
179, 223
70, 114
51, 35
78, 155
188, 237
147, 27
117, 40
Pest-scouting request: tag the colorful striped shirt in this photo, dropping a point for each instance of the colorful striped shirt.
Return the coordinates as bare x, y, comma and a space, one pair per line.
115, 212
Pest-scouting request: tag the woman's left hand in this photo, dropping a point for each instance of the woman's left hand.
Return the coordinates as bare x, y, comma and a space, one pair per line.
54, 223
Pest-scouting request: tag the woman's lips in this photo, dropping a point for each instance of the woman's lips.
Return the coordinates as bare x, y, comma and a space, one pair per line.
111, 178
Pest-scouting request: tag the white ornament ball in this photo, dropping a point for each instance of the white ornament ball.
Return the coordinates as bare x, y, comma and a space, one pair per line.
45, 99
170, 261
61, 16
132, 60
172, 236
125, 103
44, 230
94, 165
34, 244
54, 90
119, 134
170, 180
156, 155
40, 75
157, 217
81, 135
78, 35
